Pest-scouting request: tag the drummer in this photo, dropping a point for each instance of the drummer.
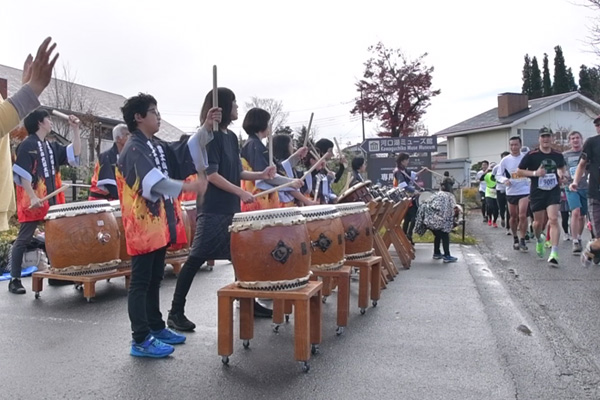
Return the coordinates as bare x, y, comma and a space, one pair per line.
255, 157
406, 180
359, 166
152, 216
323, 178
221, 202
286, 163
36, 174
104, 185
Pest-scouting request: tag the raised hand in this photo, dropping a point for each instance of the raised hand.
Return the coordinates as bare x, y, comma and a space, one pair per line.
39, 72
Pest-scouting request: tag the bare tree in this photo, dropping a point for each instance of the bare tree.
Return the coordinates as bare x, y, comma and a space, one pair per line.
594, 37
273, 107
65, 94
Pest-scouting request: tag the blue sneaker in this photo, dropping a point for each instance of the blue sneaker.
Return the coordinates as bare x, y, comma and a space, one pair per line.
168, 336
151, 347
450, 259
437, 256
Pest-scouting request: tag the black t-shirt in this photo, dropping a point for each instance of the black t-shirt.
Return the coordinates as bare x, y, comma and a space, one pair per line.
591, 153
552, 162
224, 158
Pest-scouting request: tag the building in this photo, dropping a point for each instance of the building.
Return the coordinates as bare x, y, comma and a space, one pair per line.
98, 110
485, 136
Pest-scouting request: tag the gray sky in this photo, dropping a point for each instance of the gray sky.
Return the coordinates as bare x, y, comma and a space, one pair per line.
307, 54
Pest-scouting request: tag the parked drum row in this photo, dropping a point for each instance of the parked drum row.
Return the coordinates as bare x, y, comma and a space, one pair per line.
277, 249
88, 237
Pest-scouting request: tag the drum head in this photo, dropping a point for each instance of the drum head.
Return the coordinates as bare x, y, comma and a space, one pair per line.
424, 197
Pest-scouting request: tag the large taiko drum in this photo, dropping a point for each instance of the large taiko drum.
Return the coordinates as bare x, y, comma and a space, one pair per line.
326, 233
190, 209
82, 238
270, 249
358, 192
358, 229
125, 258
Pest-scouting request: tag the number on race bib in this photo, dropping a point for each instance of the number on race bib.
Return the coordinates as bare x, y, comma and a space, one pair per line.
547, 182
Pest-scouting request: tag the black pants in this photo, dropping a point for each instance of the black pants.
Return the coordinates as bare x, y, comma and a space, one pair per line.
491, 206
26, 232
483, 205
409, 221
503, 208
143, 301
444, 239
564, 216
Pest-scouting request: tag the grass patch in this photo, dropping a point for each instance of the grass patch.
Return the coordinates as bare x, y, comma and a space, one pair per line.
454, 238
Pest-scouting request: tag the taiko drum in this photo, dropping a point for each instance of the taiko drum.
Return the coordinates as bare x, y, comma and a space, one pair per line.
358, 192
270, 249
82, 237
326, 233
125, 258
190, 208
358, 230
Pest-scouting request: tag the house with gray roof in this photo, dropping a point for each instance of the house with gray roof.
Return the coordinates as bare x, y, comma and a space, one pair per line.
98, 110
485, 136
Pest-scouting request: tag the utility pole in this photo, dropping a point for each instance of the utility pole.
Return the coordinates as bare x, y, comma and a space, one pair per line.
362, 115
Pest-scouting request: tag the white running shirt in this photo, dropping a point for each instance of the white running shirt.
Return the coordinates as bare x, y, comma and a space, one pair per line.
518, 186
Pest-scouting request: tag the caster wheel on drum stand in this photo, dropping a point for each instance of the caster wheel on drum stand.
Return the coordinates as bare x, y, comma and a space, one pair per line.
324, 299
374, 303
246, 344
339, 330
79, 287
363, 311
287, 317
37, 295
225, 360
89, 299
314, 349
276, 328
305, 366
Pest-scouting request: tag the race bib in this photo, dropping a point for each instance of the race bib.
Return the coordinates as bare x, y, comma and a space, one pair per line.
547, 182
492, 192
572, 171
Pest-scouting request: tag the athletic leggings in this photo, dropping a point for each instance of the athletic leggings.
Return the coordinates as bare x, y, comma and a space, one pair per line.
492, 209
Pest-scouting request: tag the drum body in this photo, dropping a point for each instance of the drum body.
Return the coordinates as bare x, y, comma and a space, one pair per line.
358, 192
125, 258
270, 249
82, 237
181, 250
190, 209
358, 230
326, 233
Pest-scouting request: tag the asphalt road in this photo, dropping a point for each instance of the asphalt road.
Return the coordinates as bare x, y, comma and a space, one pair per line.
440, 331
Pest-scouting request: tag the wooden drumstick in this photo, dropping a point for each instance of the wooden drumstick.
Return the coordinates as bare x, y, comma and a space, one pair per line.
433, 172
303, 177
308, 129
271, 163
215, 96
63, 116
51, 195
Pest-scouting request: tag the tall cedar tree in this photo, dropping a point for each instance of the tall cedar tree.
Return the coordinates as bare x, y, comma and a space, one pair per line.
537, 89
561, 78
571, 80
589, 82
546, 83
395, 90
526, 89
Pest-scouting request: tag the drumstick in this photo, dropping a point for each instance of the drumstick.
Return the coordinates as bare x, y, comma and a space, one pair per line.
215, 96
303, 177
433, 172
63, 116
79, 185
271, 163
51, 195
308, 129
314, 153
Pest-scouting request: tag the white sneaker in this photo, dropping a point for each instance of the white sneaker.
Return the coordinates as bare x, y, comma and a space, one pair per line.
567, 237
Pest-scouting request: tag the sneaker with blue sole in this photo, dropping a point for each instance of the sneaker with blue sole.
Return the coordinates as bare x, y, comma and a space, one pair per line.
151, 347
168, 336
450, 259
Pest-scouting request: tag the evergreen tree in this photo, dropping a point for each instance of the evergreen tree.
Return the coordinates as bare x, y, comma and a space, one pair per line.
527, 77
537, 90
546, 83
589, 82
571, 80
561, 78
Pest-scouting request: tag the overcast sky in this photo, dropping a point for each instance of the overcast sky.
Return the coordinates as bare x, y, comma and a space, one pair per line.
307, 54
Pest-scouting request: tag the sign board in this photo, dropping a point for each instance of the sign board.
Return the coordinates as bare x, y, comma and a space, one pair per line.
381, 169
413, 144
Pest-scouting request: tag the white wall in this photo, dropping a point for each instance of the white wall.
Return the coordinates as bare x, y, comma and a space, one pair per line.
479, 146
